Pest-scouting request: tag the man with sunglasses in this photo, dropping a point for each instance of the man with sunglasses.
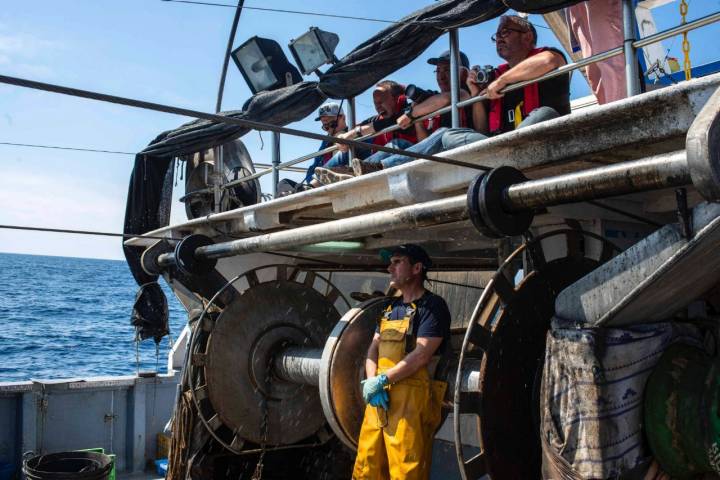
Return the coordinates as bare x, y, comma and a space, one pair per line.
515, 42
332, 120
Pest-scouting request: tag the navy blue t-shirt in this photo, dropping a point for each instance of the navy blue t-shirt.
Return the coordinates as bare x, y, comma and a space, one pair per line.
432, 318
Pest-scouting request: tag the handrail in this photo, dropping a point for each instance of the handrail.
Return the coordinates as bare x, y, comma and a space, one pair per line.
657, 37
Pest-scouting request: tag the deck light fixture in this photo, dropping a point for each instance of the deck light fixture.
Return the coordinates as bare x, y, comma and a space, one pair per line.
264, 65
313, 49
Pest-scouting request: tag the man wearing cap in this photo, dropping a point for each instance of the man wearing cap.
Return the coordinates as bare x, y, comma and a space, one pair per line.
430, 130
403, 401
333, 122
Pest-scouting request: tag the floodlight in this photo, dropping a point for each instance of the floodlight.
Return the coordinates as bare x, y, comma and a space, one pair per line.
264, 65
313, 49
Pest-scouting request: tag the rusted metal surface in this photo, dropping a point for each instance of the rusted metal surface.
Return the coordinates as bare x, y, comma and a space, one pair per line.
508, 335
232, 357
299, 365
703, 149
661, 171
343, 366
650, 280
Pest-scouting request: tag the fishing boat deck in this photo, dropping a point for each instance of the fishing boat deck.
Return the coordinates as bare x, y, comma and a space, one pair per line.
638, 127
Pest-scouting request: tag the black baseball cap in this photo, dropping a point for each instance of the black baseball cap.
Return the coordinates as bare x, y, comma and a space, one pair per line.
414, 252
445, 58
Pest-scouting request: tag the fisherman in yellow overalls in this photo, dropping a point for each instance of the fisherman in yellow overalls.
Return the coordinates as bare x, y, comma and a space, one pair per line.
404, 402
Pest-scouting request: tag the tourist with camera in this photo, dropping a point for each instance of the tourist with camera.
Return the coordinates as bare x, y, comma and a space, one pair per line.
515, 42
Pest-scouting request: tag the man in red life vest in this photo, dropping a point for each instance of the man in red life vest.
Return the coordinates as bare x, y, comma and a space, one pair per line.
430, 130
390, 102
515, 41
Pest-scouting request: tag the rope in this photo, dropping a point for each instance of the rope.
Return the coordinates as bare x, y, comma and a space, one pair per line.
250, 124
83, 232
685, 43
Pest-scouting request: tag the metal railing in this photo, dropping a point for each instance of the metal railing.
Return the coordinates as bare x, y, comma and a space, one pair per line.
630, 44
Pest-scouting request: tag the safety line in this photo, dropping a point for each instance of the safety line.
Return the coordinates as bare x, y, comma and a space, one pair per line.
279, 10
623, 212
316, 14
82, 232
250, 124
80, 149
55, 147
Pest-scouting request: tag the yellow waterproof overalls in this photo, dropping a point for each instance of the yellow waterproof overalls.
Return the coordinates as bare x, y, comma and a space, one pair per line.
397, 444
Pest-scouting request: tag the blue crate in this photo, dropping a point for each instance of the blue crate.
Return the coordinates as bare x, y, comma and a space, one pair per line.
161, 466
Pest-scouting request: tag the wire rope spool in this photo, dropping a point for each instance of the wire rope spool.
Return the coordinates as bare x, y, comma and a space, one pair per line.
485, 204
280, 307
506, 336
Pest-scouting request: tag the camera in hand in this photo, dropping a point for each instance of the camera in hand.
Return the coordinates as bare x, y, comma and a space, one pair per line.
485, 74
417, 94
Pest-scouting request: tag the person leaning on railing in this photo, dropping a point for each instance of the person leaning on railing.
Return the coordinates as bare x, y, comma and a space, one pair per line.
515, 41
390, 102
431, 129
332, 119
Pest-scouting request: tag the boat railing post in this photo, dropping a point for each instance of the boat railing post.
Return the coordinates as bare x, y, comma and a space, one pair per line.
351, 121
219, 177
454, 76
275, 162
632, 72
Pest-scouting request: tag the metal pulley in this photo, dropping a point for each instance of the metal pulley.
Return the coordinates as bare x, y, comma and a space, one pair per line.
485, 204
185, 259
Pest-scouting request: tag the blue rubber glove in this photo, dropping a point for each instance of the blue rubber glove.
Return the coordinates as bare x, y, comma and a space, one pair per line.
380, 399
373, 385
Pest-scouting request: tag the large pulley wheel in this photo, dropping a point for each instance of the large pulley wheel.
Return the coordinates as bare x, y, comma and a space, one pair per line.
343, 366
506, 336
232, 357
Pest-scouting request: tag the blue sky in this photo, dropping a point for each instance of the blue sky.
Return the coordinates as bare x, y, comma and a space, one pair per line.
167, 53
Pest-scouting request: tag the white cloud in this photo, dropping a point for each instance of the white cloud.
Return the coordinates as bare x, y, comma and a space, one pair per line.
25, 53
25, 45
42, 200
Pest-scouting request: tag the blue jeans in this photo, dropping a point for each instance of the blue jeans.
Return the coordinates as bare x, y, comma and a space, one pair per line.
380, 157
430, 146
456, 137
342, 159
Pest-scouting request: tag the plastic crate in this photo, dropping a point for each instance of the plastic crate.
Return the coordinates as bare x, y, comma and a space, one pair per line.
161, 466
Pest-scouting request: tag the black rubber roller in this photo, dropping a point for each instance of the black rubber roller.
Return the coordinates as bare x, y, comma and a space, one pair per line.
185, 258
485, 204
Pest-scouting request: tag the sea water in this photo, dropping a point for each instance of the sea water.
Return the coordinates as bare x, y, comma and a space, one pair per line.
70, 317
